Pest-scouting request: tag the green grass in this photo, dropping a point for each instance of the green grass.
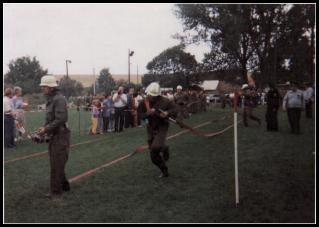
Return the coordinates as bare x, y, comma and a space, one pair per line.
276, 177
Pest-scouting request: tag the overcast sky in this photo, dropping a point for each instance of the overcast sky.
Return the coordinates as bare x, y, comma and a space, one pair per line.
90, 35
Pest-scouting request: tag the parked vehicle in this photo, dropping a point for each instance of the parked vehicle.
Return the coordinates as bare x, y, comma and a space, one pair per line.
213, 98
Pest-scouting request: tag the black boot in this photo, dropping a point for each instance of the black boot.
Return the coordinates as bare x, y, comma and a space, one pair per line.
164, 173
66, 186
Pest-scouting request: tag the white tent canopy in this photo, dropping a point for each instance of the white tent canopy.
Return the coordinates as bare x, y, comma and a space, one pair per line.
210, 85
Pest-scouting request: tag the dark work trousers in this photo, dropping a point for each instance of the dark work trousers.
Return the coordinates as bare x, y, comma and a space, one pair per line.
248, 113
138, 118
294, 119
119, 119
58, 153
271, 119
105, 124
9, 131
156, 142
128, 118
308, 109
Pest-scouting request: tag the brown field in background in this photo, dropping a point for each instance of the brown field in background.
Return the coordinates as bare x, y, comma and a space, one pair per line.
88, 80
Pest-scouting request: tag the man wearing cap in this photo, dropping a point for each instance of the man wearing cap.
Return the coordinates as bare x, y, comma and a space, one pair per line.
156, 109
293, 103
55, 127
249, 104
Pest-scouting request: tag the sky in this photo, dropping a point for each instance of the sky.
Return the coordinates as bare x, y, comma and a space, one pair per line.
90, 35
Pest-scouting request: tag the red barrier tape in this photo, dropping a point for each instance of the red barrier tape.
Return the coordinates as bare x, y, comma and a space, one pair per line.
143, 148
45, 152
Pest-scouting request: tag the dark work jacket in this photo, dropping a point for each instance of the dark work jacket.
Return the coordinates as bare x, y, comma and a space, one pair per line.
249, 97
56, 113
181, 99
154, 120
273, 99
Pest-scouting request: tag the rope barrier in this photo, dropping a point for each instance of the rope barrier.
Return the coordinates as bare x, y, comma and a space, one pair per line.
144, 147
45, 152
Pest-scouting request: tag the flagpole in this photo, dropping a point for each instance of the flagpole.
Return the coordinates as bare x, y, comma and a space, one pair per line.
236, 148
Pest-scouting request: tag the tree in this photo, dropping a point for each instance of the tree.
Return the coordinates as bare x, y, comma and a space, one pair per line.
267, 22
173, 61
105, 81
70, 87
300, 23
227, 27
25, 73
257, 37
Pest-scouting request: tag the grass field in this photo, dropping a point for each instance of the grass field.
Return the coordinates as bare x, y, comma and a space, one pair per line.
276, 177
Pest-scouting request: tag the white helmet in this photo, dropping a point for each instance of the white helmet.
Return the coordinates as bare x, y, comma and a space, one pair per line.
179, 87
244, 86
48, 80
153, 89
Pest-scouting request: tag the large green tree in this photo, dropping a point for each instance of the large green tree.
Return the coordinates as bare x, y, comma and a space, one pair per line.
105, 81
299, 41
257, 37
172, 61
25, 73
227, 27
70, 87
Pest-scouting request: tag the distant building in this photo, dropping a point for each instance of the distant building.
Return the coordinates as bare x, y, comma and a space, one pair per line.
210, 86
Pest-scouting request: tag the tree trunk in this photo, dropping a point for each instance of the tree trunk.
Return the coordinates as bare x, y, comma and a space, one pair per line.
244, 73
312, 46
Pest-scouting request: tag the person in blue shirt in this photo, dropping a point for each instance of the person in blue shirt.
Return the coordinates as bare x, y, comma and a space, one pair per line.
108, 111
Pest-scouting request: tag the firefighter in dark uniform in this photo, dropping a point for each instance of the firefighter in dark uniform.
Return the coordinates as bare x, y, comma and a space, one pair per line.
249, 104
181, 100
203, 102
156, 109
55, 128
193, 101
273, 103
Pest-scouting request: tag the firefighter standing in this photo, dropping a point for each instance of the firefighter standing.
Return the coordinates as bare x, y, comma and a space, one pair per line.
156, 109
55, 127
273, 103
181, 100
249, 104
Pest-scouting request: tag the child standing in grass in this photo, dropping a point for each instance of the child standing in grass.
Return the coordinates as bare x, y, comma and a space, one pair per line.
100, 117
95, 115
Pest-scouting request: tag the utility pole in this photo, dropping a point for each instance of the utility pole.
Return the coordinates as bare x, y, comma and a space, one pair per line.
130, 53
94, 81
67, 77
129, 66
67, 70
136, 74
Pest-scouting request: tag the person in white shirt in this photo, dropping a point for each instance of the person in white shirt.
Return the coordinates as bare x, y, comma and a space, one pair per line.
19, 107
293, 103
170, 95
8, 112
120, 102
308, 97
